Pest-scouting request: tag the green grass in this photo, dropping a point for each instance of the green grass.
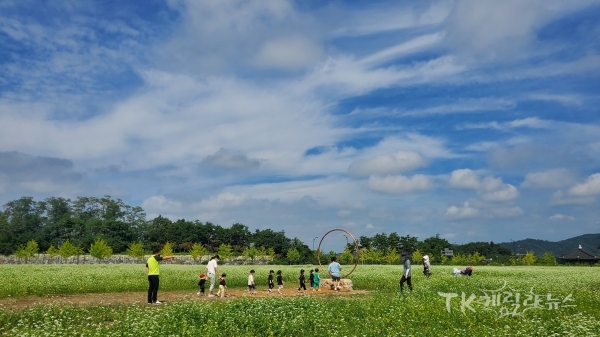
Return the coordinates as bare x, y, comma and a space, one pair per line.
382, 312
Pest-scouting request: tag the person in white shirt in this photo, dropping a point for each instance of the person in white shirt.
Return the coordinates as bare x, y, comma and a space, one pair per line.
251, 284
212, 270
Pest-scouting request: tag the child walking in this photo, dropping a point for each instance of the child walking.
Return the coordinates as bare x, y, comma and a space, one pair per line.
251, 285
201, 284
317, 279
222, 285
279, 281
311, 278
302, 281
270, 280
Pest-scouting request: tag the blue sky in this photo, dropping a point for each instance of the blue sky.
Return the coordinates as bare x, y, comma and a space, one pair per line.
477, 120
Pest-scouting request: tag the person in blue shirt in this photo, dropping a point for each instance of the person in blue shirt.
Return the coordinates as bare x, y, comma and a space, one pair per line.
335, 271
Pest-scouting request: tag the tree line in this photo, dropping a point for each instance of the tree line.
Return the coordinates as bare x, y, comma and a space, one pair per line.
52, 222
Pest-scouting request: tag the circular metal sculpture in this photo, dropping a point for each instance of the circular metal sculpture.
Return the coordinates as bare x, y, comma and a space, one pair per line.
355, 249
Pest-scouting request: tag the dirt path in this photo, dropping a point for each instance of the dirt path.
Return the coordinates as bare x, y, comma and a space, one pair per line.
163, 296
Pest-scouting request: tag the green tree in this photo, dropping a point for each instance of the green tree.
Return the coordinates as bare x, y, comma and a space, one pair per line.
136, 250
476, 258
198, 251
347, 257
392, 256
417, 256
225, 251
52, 251
27, 251
443, 259
380, 243
459, 259
433, 247
529, 258
100, 249
548, 259
293, 255
408, 243
251, 253
167, 249
68, 249
271, 253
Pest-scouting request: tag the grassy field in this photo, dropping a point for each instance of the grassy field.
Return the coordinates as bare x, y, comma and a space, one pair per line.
495, 301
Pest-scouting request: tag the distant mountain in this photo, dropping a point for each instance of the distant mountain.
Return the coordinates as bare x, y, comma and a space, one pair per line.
588, 242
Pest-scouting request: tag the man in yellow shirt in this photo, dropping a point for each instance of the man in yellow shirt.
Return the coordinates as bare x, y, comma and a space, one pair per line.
153, 271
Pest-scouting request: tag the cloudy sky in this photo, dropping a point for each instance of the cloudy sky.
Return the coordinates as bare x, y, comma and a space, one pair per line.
477, 120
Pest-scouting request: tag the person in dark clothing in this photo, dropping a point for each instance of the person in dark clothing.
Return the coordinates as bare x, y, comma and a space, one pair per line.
202, 284
279, 282
311, 278
270, 281
406, 275
302, 280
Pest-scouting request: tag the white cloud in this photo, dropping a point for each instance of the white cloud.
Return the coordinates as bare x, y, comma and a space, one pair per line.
382, 19
555, 178
157, 204
223, 201
590, 187
463, 106
561, 217
562, 198
412, 46
529, 122
565, 99
461, 212
400, 183
225, 159
289, 53
370, 226
343, 213
506, 192
398, 162
464, 178
507, 212
501, 31
490, 188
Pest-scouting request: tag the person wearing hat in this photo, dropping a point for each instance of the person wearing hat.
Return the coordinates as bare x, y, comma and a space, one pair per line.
153, 271
406, 275
212, 270
426, 266
201, 284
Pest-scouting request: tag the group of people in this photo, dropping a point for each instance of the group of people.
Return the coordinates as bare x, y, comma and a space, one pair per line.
212, 270
334, 270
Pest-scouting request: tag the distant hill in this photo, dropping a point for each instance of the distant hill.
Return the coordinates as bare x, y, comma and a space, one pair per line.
588, 242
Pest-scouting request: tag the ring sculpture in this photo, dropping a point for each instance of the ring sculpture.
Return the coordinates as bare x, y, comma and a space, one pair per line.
355, 249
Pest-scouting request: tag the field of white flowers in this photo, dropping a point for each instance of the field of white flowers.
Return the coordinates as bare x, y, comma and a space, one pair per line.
495, 301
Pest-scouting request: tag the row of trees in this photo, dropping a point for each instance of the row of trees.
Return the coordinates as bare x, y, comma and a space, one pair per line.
54, 221
57, 223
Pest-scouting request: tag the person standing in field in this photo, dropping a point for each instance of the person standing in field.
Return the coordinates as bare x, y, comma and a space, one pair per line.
311, 278
270, 281
222, 285
426, 266
212, 270
251, 284
279, 282
317, 279
335, 271
406, 275
302, 281
153, 272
